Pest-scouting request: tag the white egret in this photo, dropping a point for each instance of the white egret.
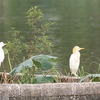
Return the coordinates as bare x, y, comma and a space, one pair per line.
1, 52
74, 60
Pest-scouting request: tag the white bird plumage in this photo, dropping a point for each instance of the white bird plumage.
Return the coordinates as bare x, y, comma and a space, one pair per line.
74, 60
1, 52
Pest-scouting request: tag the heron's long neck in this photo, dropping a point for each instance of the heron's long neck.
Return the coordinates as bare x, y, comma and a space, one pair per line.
77, 53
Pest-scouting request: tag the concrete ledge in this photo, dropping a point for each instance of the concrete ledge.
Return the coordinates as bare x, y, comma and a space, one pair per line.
49, 91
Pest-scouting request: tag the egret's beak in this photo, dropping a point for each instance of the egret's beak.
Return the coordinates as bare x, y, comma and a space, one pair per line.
5, 44
82, 48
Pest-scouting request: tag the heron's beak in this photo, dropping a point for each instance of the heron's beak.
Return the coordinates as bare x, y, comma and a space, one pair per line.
82, 48
5, 44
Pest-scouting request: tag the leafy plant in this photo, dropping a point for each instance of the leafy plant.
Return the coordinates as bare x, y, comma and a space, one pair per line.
82, 72
38, 42
43, 79
15, 47
93, 77
45, 62
27, 68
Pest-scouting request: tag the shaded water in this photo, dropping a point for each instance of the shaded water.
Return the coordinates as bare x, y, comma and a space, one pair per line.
77, 23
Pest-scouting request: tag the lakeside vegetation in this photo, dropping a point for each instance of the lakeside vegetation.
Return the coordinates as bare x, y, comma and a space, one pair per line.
34, 54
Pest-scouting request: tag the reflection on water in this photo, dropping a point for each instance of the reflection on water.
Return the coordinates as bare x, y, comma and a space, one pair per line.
77, 23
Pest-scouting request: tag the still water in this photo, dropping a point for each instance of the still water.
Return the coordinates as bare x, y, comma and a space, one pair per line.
77, 23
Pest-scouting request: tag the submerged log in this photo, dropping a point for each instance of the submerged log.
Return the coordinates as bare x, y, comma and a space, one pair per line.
49, 91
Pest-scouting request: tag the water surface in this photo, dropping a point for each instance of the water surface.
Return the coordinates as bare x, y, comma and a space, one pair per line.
77, 23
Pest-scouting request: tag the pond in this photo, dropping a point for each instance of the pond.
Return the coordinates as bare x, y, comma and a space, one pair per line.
77, 23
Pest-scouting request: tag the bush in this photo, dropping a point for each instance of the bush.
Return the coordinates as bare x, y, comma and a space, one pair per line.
38, 43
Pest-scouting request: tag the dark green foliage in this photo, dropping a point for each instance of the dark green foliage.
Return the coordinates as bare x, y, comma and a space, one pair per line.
44, 62
93, 77
5, 51
27, 68
38, 42
25, 64
27, 75
43, 79
16, 45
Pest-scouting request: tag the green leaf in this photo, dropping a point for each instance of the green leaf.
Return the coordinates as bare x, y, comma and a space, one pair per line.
13, 72
46, 62
89, 76
5, 51
44, 79
25, 64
